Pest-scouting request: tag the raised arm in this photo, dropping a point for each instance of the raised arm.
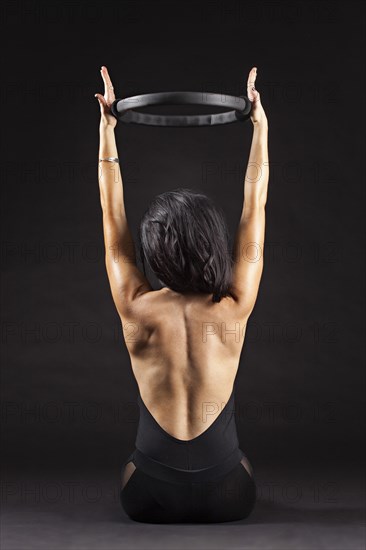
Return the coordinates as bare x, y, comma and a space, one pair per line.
249, 241
127, 282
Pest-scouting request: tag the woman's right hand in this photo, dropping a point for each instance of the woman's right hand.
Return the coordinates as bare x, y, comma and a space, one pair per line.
257, 114
106, 117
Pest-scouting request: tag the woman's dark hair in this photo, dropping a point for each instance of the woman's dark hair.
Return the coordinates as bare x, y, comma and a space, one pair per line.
185, 240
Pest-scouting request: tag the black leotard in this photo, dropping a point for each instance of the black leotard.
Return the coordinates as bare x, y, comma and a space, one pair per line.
162, 460
217, 445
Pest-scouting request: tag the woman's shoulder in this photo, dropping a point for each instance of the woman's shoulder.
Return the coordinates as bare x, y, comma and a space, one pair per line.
165, 319
167, 303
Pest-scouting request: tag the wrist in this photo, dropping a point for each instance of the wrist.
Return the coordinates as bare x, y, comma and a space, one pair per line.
105, 127
261, 124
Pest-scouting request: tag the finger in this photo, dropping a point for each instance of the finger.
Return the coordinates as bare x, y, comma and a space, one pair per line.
253, 95
100, 98
102, 101
251, 78
108, 86
252, 92
105, 75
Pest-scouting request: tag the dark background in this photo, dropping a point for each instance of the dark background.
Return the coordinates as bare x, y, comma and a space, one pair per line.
68, 393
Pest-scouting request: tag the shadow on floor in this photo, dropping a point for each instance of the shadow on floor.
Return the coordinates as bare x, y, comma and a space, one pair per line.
267, 512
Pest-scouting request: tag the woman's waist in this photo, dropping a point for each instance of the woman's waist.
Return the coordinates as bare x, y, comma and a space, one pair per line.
166, 472
196, 454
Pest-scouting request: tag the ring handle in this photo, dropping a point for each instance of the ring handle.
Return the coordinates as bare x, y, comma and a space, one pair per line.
123, 109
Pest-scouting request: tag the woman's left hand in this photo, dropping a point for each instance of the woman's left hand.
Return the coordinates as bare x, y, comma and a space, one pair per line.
106, 119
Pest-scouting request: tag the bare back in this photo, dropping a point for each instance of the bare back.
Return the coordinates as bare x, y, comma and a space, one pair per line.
185, 353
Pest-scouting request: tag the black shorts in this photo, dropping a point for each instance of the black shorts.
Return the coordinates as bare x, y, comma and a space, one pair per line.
150, 499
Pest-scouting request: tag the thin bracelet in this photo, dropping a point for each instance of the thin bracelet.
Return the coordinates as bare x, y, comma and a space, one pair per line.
110, 159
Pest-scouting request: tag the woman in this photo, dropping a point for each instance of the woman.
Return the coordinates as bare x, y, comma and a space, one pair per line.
185, 339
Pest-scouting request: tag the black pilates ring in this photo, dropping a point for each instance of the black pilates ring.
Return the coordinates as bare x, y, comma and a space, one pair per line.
123, 109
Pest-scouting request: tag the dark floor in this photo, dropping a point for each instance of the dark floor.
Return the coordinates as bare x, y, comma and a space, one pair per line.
295, 510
